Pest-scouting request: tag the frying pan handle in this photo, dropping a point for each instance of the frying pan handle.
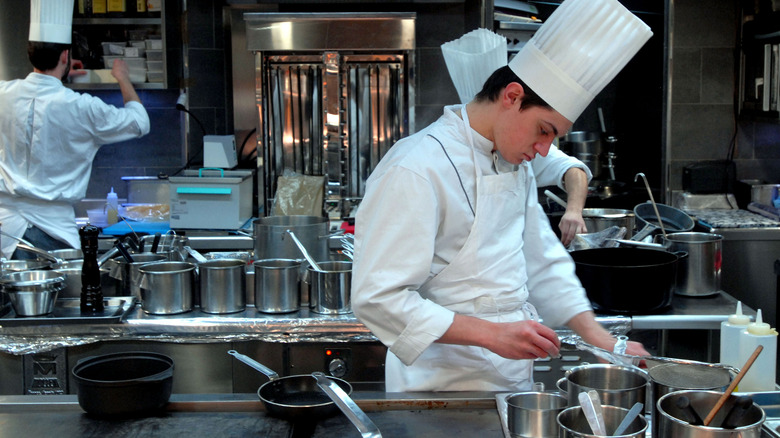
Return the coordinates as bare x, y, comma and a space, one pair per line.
254, 364
364, 425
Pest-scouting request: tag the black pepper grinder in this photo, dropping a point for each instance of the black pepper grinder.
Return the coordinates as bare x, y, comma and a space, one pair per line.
91, 291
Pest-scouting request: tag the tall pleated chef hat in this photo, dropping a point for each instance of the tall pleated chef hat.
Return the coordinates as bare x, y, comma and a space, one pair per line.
51, 21
578, 51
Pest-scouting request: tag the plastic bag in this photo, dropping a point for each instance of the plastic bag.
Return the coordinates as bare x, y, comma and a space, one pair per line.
602, 239
299, 195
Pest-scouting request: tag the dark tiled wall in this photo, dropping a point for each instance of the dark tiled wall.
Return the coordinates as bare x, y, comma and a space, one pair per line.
704, 79
159, 151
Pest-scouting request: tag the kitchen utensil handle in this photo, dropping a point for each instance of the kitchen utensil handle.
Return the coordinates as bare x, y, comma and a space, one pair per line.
364, 425
629, 418
555, 198
303, 251
254, 364
125, 253
195, 254
733, 385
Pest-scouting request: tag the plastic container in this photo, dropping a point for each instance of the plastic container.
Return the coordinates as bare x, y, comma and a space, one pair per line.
137, 76
730, 333
108, 60
113, 48
135, 63
97, 217
153, 44
135, 52
154, 55
154, 76
761, 375
112, 207
155, 66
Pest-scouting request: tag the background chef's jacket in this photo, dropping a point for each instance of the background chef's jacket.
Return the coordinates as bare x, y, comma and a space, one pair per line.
49, 136
414, 218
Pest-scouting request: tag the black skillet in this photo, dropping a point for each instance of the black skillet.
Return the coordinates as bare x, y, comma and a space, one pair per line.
293, 398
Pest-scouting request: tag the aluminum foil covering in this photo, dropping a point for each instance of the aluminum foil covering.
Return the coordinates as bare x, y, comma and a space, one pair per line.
199, 327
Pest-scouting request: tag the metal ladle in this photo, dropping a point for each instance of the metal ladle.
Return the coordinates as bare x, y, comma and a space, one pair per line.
303, 251
652, 200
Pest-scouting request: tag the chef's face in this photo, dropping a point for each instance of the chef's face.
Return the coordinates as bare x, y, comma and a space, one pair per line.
523, 132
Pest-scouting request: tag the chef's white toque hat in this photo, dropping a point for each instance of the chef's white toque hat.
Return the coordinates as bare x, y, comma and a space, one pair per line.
578, 51
51, 21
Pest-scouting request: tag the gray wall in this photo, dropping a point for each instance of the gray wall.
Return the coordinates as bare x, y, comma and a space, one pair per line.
703, 85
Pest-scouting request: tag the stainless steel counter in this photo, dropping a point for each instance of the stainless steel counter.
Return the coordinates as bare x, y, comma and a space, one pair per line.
703, 313
431, 415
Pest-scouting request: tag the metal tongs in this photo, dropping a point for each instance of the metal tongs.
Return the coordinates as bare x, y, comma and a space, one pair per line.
620, 358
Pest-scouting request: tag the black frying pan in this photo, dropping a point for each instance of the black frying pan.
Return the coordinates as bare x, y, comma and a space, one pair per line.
293, 397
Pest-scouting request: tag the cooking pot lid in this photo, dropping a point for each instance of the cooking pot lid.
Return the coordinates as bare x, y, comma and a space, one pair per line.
690, 376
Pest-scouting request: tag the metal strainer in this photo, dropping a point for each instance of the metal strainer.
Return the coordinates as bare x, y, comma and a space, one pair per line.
690, 376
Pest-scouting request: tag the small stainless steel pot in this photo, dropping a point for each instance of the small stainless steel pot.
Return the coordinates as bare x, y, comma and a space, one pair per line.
167, 288
277, 285
671, 377
534, 414
573, 423
222, 285
617, 385
330, 288
673, 421
699, 273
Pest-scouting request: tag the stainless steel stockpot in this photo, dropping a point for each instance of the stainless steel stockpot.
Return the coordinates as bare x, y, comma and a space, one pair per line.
273, 242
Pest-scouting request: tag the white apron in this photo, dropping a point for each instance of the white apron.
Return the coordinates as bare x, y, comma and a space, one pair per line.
486, 280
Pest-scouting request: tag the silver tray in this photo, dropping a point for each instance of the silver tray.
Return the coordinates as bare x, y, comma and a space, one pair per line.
68, 311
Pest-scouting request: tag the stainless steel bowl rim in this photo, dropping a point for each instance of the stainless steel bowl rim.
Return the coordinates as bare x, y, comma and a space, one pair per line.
17, 279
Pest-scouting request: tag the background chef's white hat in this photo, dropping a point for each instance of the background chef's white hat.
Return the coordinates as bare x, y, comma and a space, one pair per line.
578, 51
51, 21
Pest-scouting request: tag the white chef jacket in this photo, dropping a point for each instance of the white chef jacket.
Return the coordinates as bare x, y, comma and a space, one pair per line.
49, 136
412, 223
549, 170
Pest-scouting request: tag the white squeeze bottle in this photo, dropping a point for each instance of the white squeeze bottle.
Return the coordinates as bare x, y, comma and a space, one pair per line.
761, 376
730, 333
112, 207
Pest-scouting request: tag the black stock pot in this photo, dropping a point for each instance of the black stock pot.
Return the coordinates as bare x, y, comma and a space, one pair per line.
627, 280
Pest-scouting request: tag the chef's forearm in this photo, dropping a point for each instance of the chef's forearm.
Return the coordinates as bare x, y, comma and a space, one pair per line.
128, 91
591, 331
576, 185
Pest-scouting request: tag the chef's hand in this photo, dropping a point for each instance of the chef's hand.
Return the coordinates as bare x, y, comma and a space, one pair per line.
512, 340
120, 71
571, 223
637, 349
76, 68
525, 340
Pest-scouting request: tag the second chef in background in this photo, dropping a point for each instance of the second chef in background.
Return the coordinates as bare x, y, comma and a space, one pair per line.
50, 134
454, 255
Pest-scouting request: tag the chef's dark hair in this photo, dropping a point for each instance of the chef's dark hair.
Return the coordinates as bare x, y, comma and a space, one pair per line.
502, 77
45, 56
